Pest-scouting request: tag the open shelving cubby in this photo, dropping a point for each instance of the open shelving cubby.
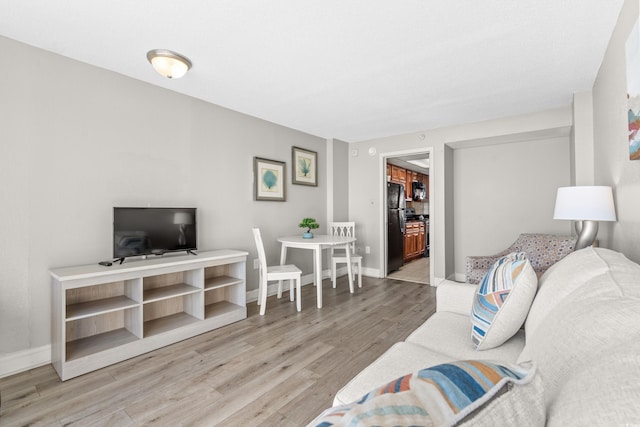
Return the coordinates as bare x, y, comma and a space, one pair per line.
103, 315
221, 290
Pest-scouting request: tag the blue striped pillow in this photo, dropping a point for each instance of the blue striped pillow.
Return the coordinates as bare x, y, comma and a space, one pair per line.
502, 301
442, 395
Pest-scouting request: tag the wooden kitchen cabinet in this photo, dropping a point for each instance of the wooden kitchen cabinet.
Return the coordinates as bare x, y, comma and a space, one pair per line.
414, 240
406, 177
421, 240
409, 240
425, 181
411, 176
399, 175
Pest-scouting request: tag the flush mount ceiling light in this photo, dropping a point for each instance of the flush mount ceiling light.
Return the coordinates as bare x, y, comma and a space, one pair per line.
168, 64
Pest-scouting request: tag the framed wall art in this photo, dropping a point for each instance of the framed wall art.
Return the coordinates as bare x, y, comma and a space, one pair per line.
304, 165
632, 50
270, 179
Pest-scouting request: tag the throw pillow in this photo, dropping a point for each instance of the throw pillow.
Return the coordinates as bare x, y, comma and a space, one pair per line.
502, 301
445, 395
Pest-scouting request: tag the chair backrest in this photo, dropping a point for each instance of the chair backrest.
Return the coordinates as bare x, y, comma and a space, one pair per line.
347, 229
262, 257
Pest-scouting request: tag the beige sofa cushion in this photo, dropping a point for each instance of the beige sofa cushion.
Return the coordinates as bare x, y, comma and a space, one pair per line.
448, 333
606, 392
560, 280
455, 297
602, 314
402, 358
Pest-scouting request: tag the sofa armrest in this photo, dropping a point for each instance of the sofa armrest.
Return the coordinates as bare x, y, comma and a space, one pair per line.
477, 266
455, 297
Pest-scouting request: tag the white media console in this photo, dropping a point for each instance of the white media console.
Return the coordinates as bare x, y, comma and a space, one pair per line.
103, 315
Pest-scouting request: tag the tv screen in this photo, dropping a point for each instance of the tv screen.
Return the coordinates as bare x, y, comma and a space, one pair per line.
145, 231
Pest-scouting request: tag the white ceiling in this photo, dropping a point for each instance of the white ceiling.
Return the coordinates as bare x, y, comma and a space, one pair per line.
346, 69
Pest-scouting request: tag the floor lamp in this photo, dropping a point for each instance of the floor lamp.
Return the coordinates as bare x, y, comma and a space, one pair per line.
586, 205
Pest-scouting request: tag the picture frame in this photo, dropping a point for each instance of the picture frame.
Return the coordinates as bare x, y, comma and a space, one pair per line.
270, 180
632, 56
304, 166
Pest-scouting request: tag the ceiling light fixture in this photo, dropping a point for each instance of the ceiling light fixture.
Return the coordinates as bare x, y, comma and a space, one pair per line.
168, 64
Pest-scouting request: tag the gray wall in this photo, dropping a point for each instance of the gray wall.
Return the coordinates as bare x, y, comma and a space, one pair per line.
503, 190
612, 164
340, 177
78, 140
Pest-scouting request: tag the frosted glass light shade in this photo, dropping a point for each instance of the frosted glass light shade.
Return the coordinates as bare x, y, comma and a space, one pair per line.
594, 203
169, 64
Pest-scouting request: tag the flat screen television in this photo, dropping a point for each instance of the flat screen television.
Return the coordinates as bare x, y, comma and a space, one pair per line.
153, 231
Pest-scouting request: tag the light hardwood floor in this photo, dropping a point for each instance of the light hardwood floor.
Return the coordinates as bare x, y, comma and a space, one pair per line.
281, 369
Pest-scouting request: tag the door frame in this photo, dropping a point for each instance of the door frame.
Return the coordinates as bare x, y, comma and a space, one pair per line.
383, 250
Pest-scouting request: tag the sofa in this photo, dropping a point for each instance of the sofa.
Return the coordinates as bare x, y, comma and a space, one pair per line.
580, 338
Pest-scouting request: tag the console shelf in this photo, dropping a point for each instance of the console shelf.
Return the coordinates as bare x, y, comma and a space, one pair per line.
166, 292
97, 307
220, 282
84, 347
103, 315
167, 323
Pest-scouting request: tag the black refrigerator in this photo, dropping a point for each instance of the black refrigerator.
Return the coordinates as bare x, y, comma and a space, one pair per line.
395, 226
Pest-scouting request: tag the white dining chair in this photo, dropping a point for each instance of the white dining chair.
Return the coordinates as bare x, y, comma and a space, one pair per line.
338, 255
275, 272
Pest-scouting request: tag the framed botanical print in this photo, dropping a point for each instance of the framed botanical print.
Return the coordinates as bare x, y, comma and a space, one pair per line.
304, 165
270, 180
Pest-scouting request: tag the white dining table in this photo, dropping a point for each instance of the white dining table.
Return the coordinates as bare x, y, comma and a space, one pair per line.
317, 244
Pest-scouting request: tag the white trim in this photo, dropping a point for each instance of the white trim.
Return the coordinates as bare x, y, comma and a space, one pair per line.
23, 360
272, 288
307, 279
383, 202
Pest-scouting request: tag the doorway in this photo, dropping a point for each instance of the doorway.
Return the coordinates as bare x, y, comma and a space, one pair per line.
411, 171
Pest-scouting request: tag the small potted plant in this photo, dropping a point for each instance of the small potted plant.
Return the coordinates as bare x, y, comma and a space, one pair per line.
309, 224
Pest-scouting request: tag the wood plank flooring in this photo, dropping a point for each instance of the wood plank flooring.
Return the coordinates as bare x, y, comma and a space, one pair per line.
281, 369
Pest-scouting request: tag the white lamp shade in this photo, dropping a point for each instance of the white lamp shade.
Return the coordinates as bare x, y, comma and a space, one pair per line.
594, 203
182, 218
168, 64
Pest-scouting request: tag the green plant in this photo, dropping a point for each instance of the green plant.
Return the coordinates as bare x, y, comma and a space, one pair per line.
309, 224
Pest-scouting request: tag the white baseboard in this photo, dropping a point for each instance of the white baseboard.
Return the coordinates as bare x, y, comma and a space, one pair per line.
272, 288
23, 360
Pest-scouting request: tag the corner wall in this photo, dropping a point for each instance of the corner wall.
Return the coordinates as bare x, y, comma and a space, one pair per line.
501, 191
612, 164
